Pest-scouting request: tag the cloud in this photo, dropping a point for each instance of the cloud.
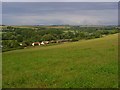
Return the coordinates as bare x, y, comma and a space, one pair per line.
60, 0
52, 13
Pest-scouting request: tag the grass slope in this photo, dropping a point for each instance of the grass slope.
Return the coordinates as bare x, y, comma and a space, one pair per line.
89, 63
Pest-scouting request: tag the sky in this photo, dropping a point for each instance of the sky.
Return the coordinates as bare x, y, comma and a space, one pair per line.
59, 0
59, 13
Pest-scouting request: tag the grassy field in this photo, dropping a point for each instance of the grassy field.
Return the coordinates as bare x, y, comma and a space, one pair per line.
87, 63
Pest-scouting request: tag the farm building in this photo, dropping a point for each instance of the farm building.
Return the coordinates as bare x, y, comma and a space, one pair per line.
52, 41
45, 42
36, 43
63, 40
21, 44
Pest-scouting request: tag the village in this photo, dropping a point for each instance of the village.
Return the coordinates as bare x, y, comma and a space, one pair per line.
49, 42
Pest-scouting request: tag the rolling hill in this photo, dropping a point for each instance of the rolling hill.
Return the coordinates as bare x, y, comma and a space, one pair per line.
87, 63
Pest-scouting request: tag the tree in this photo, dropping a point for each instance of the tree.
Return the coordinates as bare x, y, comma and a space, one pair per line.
9, 27
10, 43
48, 37
19, 38
37, 38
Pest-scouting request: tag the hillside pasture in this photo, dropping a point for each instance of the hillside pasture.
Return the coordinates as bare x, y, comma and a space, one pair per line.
84, 64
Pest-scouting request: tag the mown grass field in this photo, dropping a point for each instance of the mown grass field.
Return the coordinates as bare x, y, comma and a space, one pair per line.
87, 63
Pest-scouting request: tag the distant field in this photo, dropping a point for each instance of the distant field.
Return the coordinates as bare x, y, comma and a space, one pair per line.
87, 63
58, 27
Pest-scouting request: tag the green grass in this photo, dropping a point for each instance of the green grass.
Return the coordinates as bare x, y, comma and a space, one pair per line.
87, 63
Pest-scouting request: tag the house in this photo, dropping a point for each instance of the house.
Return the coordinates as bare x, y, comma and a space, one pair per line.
1, 46
59, 41
21, 44
63, 40
53, 41
103, 35
44, 42
35, 43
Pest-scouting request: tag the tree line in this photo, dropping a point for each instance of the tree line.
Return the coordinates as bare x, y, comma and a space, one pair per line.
13, 36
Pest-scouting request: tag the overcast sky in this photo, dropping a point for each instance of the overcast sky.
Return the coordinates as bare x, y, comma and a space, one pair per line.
60, 0
80, 13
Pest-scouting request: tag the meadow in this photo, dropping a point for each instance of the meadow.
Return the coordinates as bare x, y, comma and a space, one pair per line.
83, 64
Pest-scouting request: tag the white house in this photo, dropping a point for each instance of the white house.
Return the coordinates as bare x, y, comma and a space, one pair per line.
36, 43
21, 44
44, 42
